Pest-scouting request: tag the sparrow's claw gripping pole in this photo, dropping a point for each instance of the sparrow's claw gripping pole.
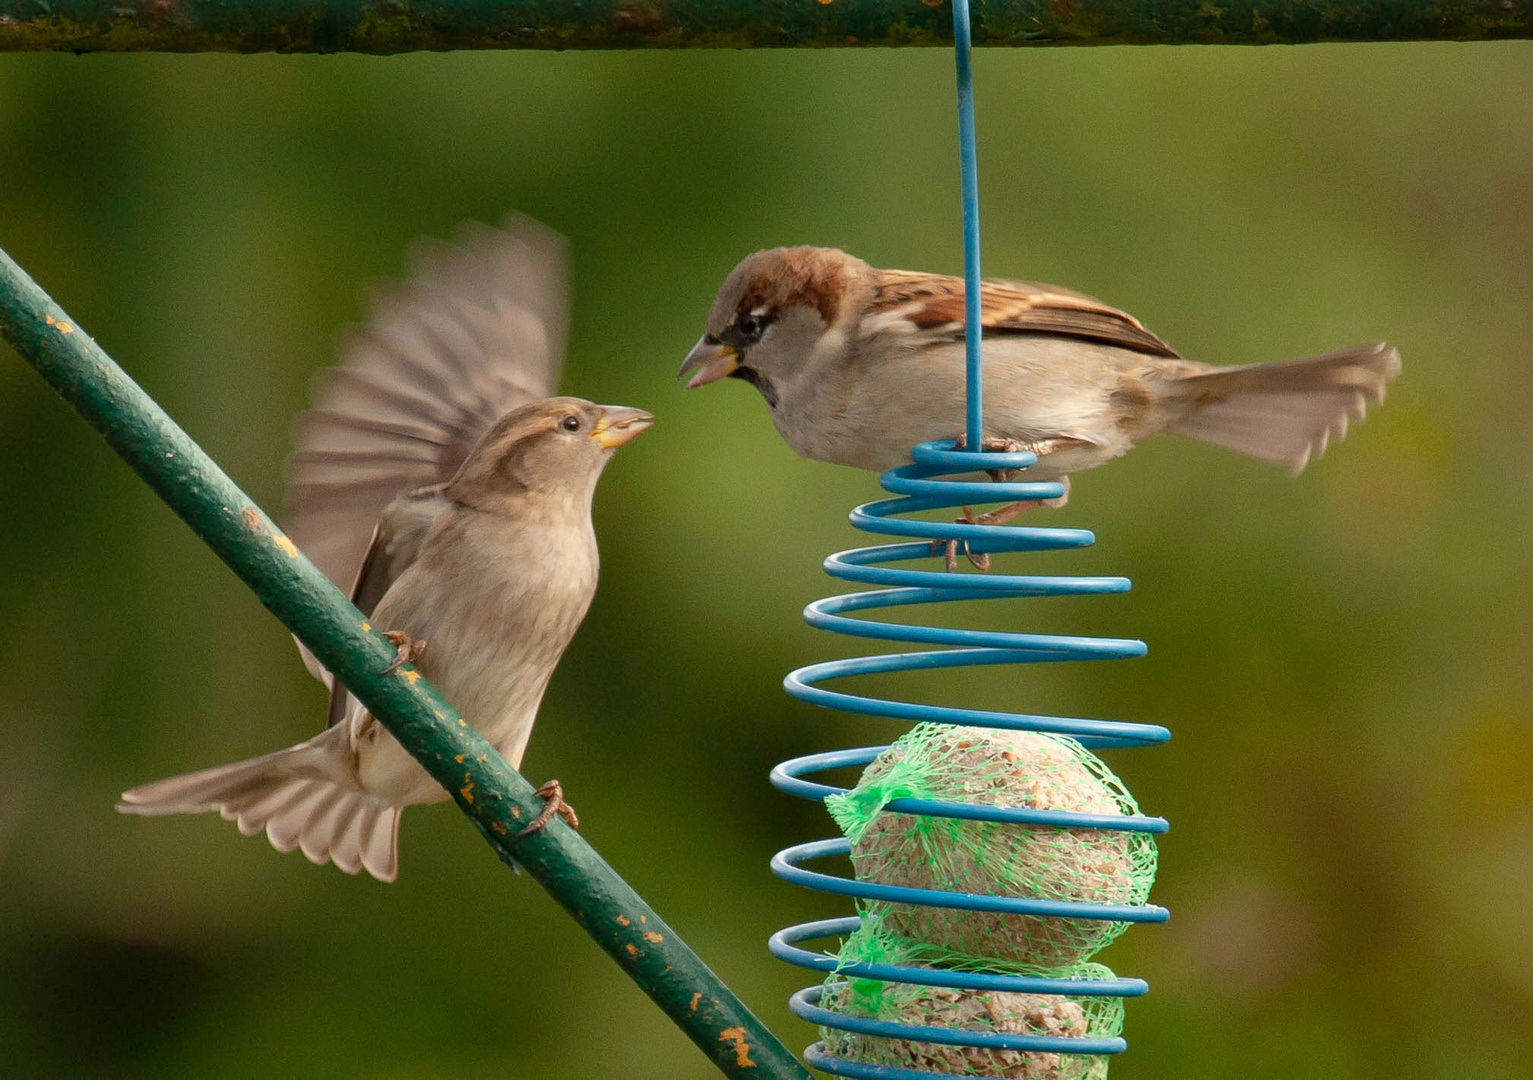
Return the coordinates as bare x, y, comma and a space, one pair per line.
495, 796
552, 794
409, 650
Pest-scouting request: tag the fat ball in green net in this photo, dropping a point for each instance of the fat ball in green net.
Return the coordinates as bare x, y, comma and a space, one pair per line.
1056, 1015
988, 767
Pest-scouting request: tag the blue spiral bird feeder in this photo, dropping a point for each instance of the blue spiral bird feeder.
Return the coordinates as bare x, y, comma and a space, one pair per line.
916, 488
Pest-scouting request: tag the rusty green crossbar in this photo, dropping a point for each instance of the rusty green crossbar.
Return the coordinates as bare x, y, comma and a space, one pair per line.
395, 26
493, 795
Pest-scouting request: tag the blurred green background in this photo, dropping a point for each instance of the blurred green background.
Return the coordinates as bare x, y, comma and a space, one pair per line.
1344, 659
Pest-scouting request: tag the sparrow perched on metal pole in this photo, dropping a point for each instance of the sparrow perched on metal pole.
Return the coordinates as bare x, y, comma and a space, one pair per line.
857, 365
477, 496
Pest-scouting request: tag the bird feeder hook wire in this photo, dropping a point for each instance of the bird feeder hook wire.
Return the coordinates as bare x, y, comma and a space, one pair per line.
968, 167
917, 487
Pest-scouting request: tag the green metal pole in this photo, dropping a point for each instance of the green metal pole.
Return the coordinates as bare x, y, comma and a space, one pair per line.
395, 26
494, 795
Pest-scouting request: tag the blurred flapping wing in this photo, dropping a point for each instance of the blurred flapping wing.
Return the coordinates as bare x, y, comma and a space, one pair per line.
476, 330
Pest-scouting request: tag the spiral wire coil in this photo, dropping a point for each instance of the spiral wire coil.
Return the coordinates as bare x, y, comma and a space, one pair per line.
917, 488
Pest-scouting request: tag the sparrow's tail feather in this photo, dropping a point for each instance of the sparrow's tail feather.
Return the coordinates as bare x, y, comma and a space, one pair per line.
326, 822
1283, 413
210, 789
291, 797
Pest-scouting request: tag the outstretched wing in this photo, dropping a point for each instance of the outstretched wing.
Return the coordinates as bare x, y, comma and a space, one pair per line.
935, 301
476, 330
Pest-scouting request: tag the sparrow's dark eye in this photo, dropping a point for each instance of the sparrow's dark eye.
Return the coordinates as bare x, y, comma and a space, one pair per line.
570, 423
750, 325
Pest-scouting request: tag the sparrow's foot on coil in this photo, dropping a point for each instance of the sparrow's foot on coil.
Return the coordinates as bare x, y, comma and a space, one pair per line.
408, 649
994, 444
999, 516
950, 548
1002, 514
552, 794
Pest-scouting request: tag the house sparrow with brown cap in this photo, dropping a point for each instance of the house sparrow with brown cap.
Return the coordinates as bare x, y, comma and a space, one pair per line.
437, 480
857, 365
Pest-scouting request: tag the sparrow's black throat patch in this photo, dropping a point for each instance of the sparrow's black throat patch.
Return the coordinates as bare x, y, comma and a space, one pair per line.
759, 381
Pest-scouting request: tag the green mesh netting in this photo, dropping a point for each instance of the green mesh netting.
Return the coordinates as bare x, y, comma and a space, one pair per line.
996, 768
965, 1010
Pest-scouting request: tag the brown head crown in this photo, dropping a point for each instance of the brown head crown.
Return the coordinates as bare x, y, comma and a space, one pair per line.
768, 281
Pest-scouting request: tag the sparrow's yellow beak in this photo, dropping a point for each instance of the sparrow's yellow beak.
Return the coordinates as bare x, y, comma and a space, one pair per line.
619, 424
713, 360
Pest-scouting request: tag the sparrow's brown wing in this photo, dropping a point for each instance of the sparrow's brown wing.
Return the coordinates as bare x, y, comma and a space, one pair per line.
475, 331
394, 544
936, 300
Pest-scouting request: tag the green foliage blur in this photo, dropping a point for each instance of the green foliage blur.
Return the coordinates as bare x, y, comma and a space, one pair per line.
1344, 659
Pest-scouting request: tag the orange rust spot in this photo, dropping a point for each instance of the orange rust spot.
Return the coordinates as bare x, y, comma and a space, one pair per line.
255, 523
366, 625
61, 327
742, 1048
498, 827
622, 920
467, 791
695, 999
633, 949
653, 938
644, 918
516, 812
458, 758
413, 676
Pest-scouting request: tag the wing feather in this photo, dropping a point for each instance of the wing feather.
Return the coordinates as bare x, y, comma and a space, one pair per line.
936, 301
477, 329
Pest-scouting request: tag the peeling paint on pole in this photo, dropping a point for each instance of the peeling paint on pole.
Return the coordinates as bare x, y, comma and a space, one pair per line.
396, 26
